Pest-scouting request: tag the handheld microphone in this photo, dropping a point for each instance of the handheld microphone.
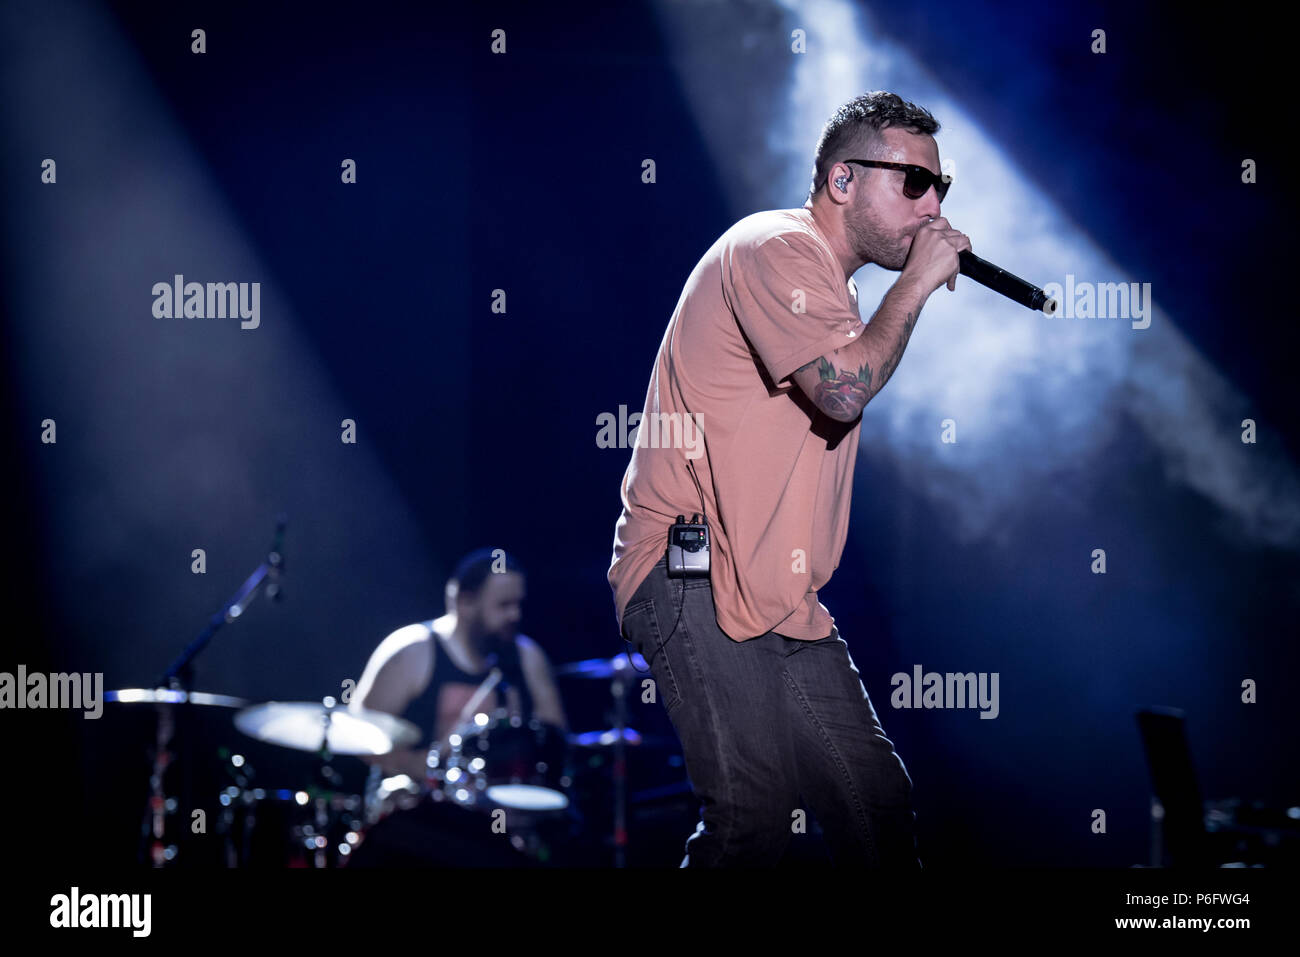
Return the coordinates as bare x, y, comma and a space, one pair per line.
999, 280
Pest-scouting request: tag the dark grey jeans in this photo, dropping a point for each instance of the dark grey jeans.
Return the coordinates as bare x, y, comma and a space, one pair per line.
765, 725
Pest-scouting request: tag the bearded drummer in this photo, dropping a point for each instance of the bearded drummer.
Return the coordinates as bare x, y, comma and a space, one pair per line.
433, 673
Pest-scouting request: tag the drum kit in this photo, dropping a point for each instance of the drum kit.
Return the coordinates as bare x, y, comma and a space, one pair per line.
499, 790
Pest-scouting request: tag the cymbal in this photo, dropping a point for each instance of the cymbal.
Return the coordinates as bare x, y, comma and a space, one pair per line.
301, 724
169, 696
606, 667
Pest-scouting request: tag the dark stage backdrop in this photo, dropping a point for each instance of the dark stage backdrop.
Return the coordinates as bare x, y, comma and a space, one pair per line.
499, 275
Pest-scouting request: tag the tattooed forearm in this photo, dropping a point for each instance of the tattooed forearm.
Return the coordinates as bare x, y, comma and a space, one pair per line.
841, 393
844, 380
888, 366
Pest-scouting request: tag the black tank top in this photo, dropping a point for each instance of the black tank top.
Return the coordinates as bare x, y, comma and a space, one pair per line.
423, 710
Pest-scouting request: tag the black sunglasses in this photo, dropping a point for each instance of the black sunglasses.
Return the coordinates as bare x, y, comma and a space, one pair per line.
915, 183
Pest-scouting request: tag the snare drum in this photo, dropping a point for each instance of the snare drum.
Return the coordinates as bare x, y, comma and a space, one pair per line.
386, 793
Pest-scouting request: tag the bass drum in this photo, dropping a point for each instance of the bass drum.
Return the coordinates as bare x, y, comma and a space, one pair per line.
437, 834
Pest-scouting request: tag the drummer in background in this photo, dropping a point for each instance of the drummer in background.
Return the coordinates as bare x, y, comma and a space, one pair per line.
429, 671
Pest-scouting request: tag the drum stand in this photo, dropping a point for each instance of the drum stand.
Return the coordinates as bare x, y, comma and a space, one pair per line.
330, 781
618, 688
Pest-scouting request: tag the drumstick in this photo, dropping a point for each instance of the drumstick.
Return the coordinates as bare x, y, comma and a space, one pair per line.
483, 691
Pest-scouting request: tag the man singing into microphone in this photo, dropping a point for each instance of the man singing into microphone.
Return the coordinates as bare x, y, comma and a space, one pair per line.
767, 353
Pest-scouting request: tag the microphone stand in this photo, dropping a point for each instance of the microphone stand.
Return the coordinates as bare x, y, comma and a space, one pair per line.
181, 673
180, 677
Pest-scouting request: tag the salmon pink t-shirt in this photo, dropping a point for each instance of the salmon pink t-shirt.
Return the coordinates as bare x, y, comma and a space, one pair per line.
776, 475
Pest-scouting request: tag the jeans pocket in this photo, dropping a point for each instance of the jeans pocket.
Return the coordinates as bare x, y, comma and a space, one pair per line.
641, 626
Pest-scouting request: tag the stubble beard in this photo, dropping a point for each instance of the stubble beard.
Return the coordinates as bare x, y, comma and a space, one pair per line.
872, 243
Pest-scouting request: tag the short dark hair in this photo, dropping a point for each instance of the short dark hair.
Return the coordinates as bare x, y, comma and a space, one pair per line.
855, 125
472, 570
